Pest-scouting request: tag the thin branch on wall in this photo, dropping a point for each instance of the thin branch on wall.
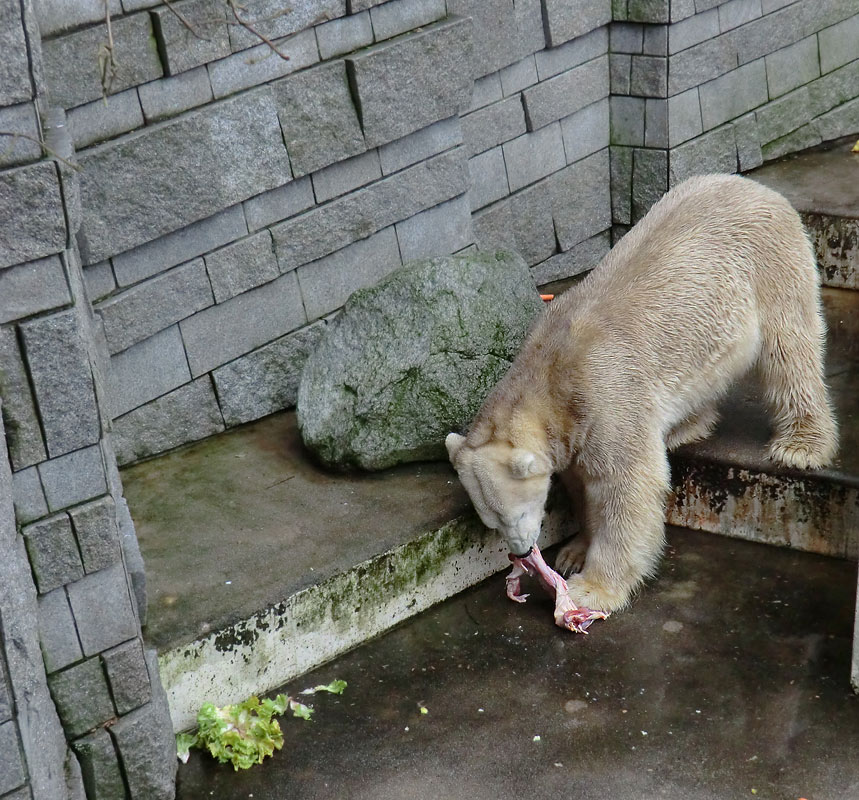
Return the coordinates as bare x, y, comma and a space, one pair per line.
184, 20
234, 8
45, 149
107, 64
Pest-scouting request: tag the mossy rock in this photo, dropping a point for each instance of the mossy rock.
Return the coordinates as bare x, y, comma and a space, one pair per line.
412, 358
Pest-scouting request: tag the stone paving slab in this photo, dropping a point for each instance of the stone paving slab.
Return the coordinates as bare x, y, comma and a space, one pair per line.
727, 677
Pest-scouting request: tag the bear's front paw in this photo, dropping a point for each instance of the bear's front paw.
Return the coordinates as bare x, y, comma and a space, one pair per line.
571, 557
597, 596
799, 453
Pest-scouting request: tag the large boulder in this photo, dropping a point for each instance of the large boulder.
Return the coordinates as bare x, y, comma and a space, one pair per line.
412, 358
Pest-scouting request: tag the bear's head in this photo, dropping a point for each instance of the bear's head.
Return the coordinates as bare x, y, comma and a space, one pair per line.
507, 486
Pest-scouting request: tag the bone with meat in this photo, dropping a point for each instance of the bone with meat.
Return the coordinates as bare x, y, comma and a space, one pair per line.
567, 614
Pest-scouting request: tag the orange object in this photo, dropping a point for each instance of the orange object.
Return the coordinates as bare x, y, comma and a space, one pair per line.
547, 297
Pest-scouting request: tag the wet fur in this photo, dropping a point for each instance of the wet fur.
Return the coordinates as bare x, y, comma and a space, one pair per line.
717, 279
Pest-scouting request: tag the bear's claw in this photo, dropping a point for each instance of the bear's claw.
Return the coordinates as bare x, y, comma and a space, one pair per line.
567, 614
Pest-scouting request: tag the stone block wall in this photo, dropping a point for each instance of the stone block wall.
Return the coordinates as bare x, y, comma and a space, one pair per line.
702, 86
231, 199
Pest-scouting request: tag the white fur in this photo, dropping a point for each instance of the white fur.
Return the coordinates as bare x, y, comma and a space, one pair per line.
718, 278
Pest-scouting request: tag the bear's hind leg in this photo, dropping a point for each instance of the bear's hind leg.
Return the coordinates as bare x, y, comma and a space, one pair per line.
791, 365
571, 557
625, 521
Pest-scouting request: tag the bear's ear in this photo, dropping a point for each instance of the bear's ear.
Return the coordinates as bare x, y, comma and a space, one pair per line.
453, 443
525, 464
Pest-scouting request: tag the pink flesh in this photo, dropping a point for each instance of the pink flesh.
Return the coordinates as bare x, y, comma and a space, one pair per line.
567, 614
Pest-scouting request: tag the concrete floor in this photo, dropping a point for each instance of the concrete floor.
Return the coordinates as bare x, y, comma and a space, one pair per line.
727, 678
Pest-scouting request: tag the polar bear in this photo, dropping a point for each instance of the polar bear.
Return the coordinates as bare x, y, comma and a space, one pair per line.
718, 278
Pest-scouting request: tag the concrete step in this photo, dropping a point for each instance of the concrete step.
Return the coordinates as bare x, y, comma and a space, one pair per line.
261, 566
726, 485
823, 185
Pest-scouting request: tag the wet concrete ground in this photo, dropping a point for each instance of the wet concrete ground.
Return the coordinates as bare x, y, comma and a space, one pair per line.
727, 678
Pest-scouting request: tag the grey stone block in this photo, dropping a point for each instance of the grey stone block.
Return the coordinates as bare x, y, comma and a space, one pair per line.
486, 90
398, 16
627, 37
738, 12
519, 76
407, 83
493, 125
581, 205
57, 632
180, 246
566, 93
185, 415
23, 431
57, 16
534, 156
656, 123
81, 696
265, 380
800, 139
715, 151
344, 35
320, 124
494, 228
128, 676
5, 700
655, 40
100, 768
171, 96
648, 10
627, 120
241, 142
649, 76
346, 176
323, 230
30, 288
278, 204
684, 117
20, 119
777, 30
529, 23
497, 41
95, 529
621, 185
73, 478
200, 35
733, 94
146, 745
839, 44
90, 596
531, 212
701, 63
326, 284
241, 266
99, 280
53, 552
13, 773
438, 231
836, 123
748, 143
620, 69
422, 144
581, 258
222, 333
274, 19
793, 66
62, 378
77, 54
105, 119
261, 64
586, 131
28, 495
783, 116
152, 306
649, 180
834, 88
618, 9
567, 19
555, 60
32, 223
15, 85
488, 178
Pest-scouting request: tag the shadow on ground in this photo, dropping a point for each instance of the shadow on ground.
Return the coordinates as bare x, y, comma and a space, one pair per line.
728, 678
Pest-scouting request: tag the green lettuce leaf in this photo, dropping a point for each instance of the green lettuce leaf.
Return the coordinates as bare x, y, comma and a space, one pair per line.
184, 743
335, 687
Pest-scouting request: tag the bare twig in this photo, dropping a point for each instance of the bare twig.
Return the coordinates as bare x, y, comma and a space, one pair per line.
47, 150
184, 20
107, 64
247, 25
